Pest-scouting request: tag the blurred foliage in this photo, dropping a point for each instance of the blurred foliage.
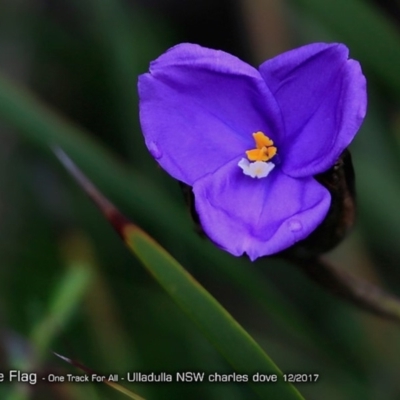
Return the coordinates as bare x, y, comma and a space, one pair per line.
66, 273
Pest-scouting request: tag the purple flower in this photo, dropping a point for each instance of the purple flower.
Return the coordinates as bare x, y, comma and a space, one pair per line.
250, 141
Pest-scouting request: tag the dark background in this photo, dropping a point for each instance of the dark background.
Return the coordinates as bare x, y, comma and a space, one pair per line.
82, 59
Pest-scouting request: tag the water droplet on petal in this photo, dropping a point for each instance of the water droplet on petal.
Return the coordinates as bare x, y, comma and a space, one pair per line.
154, 150
295, 225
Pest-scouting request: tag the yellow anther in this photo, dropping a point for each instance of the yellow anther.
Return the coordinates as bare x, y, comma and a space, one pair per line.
265, 149
257, 155
262, 140
271, 151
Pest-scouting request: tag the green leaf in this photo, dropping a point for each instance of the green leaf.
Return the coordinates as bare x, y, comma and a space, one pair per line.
230, 339
67, 298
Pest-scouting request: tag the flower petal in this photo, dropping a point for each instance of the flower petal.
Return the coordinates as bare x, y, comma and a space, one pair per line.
322, 96
199, 108
258, 216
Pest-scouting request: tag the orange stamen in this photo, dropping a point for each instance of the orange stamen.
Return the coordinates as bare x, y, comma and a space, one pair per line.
265, 149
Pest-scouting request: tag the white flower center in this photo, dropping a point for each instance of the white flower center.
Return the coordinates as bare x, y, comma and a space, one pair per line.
257, 169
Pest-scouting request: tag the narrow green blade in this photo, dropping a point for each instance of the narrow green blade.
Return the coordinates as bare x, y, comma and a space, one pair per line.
224, 332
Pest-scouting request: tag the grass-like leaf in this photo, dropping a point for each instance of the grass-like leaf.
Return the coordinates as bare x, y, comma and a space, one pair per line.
223, 331
66, 299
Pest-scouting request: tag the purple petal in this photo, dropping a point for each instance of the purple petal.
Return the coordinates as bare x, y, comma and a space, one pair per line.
258, 216
199, 108
322, 96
